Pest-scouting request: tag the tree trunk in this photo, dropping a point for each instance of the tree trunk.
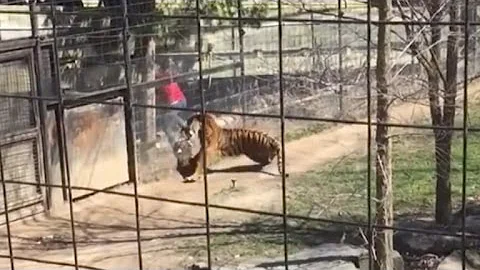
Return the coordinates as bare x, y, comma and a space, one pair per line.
384, 205
443, 204
443, 138
433, 74
146, 116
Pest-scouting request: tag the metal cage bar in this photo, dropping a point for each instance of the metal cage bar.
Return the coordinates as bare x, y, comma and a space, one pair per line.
7, 218
282, 131
465, 131
130, 129
370, 231
241, 49
340, 58
198, 19
251, 211
41, 104
64, 159
260, 115
347, 20
129, 105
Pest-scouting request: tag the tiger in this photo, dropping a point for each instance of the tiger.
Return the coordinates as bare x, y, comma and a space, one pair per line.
223, 142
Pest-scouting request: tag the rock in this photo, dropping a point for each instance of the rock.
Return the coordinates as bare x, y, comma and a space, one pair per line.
398, 263
472, 224
331, 250
241, 267
454, 261
326, 256
333, 265
429, 261
293, 223
418, 243
472, 219
473, 257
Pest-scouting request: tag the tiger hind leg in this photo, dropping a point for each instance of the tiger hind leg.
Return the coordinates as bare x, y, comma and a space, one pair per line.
266, 159
280, 163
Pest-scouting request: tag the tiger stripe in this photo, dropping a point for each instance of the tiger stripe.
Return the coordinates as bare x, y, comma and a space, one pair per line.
223, 142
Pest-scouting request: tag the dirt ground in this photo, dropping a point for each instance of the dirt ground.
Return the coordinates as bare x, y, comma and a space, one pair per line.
105, 224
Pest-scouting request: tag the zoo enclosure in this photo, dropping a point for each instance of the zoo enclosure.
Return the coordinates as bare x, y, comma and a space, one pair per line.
52, 98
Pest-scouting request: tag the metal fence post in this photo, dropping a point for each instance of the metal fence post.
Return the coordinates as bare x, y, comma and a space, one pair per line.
7, 219
369, 138
61, 130
466, 28
282, 130
202, 105
340, 59
130, 128
241, 48
41, 104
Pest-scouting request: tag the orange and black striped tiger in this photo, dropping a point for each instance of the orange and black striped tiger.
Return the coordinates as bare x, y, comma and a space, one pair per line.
222, 142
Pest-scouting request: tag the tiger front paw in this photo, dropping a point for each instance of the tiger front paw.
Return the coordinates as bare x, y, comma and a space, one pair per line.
189, 180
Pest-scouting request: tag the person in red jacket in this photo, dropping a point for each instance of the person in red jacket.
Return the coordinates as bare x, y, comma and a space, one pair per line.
169, 94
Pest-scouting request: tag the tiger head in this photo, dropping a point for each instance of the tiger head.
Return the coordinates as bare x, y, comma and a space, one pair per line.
183, 151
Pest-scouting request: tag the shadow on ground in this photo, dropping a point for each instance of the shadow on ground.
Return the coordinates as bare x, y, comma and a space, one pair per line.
166, 234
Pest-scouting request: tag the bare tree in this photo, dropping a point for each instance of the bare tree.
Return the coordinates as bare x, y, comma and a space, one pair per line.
426, 42
427, 47
384, 213
443, 138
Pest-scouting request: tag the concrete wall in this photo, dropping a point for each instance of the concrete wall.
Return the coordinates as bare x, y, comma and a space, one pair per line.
95, 137
96, 146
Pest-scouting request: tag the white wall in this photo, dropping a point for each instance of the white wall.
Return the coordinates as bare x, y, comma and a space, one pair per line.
13, 26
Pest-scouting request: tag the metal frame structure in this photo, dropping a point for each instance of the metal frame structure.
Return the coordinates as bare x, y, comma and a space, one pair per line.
24, 49
60, 102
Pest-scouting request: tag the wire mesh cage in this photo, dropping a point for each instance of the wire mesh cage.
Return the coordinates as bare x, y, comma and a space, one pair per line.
343, 134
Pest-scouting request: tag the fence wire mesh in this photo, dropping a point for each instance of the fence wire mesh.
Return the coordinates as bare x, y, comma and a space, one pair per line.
374, 106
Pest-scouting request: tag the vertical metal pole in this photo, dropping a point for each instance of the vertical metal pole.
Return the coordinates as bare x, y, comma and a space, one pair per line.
7, 219
473, 37
58, 109
241, 33
282, 131
369, 138
340, 59
130, 128
61, 130
42, 107
233, 49
61, 155
312, 36
465, 129
202, 105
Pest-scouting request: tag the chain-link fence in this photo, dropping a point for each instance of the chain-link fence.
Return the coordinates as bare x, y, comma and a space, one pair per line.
90, 109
